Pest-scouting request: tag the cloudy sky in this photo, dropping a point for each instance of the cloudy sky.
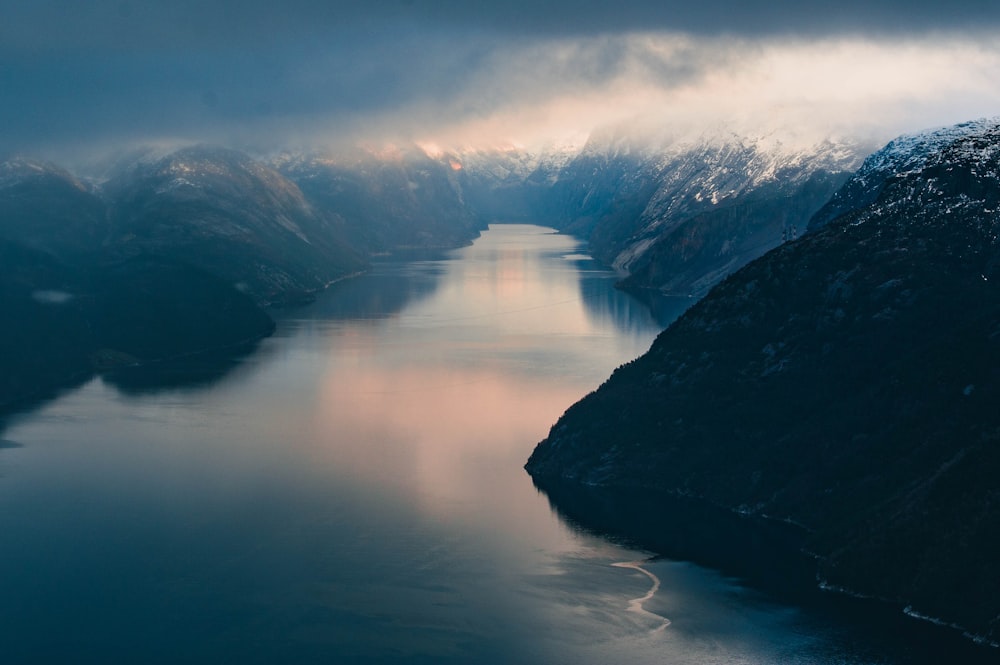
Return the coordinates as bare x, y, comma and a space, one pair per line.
78, 76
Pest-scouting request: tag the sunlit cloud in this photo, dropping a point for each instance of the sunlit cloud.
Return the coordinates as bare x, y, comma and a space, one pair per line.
471, 78
664, 84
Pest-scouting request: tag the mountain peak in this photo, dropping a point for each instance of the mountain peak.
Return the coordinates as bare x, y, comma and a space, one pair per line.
973, 145
20, 169
846, 381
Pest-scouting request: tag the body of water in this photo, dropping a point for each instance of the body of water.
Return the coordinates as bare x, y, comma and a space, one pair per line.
352, 491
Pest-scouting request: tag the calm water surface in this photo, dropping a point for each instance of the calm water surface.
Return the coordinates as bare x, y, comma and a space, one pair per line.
353, 492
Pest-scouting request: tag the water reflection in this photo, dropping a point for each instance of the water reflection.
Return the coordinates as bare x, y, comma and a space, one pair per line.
354, 492
628, 315
194, 372
496, 340
382, 293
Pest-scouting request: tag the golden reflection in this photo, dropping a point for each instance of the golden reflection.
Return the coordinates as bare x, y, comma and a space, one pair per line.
511, 278
441, 403
423, 427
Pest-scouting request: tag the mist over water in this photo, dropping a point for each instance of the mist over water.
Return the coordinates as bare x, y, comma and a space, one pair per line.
352, 491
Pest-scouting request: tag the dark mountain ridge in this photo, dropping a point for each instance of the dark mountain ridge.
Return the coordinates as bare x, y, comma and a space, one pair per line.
226, 213
64, 322
846, 382
398, 200
46, 208
170, 255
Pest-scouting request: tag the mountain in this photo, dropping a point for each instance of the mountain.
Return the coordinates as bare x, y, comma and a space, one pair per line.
397, 198
65, 322
46, 208
174, 253
724, 204
674, 213
923, 152
44, 336
232, 216
680, 217
512, 184
846, 382
76, 304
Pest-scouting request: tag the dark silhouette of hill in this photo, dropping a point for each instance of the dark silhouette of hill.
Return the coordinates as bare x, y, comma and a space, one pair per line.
846, 382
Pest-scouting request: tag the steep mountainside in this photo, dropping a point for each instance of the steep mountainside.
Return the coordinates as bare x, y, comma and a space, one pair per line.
679, 219
846, 381
230, 215
676, 214
398, 199
76, 302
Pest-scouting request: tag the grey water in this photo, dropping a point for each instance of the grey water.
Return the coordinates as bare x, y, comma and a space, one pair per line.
351, 491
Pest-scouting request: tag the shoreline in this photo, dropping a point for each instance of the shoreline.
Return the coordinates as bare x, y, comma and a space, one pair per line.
764, 552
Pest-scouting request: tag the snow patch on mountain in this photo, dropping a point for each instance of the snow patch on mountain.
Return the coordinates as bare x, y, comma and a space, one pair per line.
913, 152
973, 144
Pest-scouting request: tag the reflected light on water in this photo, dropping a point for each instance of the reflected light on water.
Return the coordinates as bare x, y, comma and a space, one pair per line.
355, 493
423, 430
457, 389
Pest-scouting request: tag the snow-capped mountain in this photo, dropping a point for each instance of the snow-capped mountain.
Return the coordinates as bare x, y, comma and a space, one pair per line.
388, 198
511, 164
846, 381
676, 214
972, 143
227, 213
703, 207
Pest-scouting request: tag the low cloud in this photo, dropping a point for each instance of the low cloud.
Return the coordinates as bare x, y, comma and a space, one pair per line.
561, 90
306, 73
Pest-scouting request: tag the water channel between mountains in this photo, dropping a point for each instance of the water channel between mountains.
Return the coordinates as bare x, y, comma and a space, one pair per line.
352, 491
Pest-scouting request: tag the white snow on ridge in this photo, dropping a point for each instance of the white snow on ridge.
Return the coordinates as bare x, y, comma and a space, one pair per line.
913, 152
721, 168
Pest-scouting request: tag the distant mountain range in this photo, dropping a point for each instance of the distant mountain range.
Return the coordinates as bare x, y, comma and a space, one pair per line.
388, 200
846, 381
174, 254
676, 215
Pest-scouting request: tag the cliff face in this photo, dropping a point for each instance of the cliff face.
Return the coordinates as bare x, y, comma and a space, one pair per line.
714, 204
673, 214
847, 381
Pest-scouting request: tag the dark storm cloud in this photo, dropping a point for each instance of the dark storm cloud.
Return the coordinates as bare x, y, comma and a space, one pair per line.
135, 24
188, 85
88, 72
204, 81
